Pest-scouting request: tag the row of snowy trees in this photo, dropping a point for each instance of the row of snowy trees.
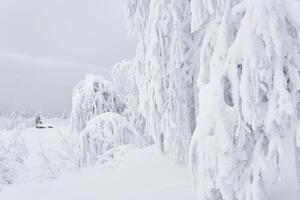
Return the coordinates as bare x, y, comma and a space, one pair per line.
215, 82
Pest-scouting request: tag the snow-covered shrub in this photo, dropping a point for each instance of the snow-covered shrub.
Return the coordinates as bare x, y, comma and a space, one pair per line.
104, 132
91, 97
7, 168
17, 147
12, 155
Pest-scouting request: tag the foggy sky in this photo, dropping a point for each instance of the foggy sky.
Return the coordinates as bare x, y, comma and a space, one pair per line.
83, 36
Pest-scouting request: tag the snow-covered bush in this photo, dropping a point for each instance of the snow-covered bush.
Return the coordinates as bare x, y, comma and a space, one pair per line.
91, 97
104, 132
7, 168
12, 155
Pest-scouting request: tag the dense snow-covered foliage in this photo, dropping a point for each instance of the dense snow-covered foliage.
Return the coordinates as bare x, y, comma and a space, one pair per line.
123, 77
104, 132
164, 71
91, 97
249, 85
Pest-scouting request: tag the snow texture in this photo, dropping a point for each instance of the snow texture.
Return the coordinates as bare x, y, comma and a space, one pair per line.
248, 93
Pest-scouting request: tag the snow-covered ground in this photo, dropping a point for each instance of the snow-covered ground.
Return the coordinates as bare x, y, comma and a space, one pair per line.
140, 174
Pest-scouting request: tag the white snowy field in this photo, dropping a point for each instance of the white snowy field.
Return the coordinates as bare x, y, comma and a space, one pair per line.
138, 174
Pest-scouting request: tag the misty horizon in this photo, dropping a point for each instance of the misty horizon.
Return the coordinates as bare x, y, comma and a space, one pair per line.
37, 38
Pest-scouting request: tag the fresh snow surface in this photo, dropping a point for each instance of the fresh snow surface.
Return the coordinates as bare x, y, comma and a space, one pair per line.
140, 174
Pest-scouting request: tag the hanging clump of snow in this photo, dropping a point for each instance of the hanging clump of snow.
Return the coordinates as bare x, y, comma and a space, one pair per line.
249, 90
213, 162
104, 132
91, 97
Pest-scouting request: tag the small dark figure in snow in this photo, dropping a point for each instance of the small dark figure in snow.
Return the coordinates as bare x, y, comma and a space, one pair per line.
39, 124
38, 121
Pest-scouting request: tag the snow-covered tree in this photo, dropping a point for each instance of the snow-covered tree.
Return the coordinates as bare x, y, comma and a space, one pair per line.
137, 14
180, 105
292, 7
123, 78
165, 72
91, 97
248, 91
104, 132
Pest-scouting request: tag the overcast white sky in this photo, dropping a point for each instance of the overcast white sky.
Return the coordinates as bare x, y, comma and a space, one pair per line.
89, 32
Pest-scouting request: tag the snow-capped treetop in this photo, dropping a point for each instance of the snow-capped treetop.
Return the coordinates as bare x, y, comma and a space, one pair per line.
122, 76
91, 97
